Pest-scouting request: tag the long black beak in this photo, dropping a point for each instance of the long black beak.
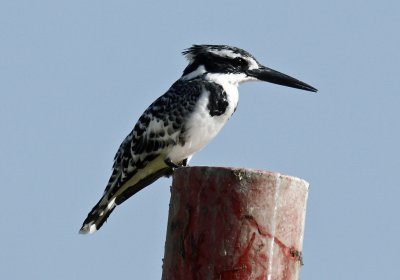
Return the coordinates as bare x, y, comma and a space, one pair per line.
269, 75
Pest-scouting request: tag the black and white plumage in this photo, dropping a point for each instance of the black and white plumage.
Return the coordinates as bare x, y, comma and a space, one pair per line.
181, 122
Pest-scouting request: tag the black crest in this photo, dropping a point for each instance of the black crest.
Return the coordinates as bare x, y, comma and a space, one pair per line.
197, 50
216, 58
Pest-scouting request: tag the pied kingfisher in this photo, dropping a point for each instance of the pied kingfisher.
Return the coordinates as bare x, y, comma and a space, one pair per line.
182, 121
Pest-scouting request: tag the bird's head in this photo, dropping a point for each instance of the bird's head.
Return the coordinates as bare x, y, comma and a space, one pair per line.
234, 64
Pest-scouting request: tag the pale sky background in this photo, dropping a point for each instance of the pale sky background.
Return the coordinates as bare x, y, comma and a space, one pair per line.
76, 75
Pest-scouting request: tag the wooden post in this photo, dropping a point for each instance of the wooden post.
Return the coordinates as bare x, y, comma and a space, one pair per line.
232, 223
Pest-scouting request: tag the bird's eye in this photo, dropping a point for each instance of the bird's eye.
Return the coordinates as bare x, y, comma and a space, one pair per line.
239, 62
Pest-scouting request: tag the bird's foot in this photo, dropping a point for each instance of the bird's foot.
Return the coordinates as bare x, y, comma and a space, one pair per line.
170, 163
185, 162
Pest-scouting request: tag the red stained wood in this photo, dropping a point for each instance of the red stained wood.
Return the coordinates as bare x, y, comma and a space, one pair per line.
232, 223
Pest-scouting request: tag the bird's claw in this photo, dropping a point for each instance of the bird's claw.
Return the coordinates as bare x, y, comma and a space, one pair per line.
170, 163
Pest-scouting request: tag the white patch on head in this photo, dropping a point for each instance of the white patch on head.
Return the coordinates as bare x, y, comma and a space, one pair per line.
231, 54
225, 52
252, 63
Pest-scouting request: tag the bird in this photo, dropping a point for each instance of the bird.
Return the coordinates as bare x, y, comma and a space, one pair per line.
182, 121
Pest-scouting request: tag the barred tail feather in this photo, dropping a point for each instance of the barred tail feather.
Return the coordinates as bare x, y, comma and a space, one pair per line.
97, 216
111, 198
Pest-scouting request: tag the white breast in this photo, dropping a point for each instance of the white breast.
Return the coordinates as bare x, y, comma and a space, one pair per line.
201, 127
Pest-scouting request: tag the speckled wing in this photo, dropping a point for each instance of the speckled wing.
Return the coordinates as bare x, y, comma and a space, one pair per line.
140, 159
159, 128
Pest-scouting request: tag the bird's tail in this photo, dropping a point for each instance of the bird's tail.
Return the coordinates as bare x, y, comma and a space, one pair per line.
115, 195
98, 215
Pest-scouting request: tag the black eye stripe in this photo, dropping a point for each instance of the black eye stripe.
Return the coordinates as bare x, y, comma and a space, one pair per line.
218, 64
238, 61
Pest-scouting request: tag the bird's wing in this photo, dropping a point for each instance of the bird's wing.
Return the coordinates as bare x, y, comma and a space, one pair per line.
141, 156
140, 160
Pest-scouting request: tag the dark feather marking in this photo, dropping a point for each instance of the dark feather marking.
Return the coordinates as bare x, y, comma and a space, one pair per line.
218, 100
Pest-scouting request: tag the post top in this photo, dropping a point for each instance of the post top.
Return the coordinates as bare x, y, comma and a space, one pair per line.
240, 172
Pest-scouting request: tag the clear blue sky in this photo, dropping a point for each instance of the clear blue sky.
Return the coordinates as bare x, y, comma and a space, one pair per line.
76, 75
